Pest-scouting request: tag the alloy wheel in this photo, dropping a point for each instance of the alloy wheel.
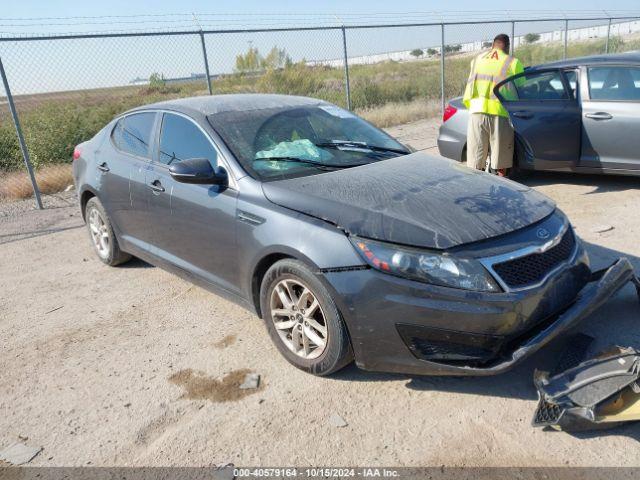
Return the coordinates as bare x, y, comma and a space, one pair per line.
299, 319
99, 233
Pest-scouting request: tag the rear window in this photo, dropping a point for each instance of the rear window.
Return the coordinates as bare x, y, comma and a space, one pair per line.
614, 83
132, 134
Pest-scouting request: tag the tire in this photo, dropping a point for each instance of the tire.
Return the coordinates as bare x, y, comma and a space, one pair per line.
516, 173
301, 344
104, 241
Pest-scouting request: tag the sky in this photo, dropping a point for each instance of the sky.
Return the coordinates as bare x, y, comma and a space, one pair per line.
53, 65
274, 10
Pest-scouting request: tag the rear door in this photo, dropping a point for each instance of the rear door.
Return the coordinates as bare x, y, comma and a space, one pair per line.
121, 166
611, 117
546, 117
194, 225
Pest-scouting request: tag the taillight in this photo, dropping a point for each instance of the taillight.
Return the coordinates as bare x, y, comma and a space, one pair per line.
449, 112
76, 153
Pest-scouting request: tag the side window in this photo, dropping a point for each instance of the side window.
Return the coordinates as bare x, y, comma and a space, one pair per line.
132, 134
535, 86
614, 83
181, 139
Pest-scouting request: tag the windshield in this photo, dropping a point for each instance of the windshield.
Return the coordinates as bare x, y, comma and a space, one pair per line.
277, 143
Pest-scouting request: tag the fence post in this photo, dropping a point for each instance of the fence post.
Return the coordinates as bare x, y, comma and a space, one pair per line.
513, 37
23, 145
606, 45
347, 86
566, 37
442, 92
206, 62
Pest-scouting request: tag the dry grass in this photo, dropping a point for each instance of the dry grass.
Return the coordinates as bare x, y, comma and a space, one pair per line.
50, 179
393, 114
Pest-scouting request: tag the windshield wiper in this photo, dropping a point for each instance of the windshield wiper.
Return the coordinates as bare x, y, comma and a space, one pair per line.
363, 145
321, 166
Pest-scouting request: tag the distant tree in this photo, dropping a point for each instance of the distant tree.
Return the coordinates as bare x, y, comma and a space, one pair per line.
250, 61
531, 38
487, 44
156, 80
276, 58
432, 52
452, 48
416, 52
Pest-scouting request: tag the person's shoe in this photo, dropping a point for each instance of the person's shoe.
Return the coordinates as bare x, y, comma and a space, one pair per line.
502, 172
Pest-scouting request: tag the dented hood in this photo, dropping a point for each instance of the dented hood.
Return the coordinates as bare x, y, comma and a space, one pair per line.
418, 199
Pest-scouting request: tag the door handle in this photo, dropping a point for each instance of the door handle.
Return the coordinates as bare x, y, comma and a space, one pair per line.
525, 115
156, 186
103, 167
599, 116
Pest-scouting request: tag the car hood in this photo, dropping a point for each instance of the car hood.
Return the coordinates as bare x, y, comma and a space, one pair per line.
418, 199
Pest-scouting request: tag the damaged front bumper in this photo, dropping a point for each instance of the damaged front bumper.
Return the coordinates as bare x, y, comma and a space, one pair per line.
605, 283
382, 312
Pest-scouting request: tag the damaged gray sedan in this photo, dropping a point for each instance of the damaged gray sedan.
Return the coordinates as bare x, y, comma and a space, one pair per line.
346, 244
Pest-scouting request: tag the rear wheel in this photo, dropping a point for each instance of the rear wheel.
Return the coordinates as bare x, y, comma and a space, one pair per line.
303, 320
101, 233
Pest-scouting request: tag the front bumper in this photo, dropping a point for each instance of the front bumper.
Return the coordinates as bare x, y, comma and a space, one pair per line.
497, 331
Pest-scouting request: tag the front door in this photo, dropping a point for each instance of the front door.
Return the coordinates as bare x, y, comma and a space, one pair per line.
611, 118
194, 225
546, 118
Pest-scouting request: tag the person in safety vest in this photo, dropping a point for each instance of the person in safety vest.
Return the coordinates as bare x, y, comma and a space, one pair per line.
489, 127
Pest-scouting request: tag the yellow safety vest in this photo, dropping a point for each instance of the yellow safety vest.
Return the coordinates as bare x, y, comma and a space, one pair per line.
487, 70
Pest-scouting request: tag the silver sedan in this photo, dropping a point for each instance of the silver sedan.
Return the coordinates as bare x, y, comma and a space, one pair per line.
579, 115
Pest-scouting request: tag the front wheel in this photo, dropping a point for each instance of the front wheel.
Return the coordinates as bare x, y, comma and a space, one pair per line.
303, 320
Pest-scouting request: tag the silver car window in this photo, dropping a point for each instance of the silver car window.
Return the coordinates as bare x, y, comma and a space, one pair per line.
615, 83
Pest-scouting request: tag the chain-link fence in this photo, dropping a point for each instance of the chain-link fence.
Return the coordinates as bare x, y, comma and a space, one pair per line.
65, 88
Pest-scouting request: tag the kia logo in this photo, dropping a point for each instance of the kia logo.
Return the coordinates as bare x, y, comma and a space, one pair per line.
542, 233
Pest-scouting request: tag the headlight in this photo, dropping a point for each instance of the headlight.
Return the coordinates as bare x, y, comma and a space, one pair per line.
425, 266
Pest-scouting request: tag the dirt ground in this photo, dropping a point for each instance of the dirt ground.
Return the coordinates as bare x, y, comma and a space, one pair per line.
133, 366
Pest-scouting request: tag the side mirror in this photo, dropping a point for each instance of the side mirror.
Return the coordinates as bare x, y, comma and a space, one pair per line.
198, 170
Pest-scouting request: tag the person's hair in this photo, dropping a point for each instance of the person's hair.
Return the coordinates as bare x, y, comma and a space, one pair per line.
503, 38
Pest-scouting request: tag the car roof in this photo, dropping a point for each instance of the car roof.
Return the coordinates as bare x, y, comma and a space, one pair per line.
212, 104
614, 58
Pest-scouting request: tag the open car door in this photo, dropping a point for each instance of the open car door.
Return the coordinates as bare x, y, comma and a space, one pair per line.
546, 117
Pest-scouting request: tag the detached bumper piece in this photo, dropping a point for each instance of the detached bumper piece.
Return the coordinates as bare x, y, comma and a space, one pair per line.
601, 392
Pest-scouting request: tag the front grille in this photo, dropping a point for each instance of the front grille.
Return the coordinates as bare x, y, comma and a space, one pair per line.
532, 268
546, 413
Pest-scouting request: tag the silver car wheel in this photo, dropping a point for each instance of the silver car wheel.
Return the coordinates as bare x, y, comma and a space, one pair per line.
99, 233
299, 319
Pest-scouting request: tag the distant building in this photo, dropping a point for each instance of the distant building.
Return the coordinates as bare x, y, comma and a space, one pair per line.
194, 77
